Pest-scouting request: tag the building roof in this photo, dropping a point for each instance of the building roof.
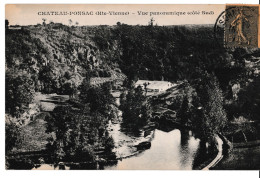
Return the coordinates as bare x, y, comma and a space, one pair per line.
154, 84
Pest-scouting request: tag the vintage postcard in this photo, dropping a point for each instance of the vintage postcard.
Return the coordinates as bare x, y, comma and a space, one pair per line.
132, 87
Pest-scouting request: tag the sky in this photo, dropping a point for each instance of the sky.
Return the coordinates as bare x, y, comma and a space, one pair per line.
31, 14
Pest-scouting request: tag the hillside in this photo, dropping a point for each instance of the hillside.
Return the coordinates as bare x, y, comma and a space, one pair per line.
55, 55
56, 58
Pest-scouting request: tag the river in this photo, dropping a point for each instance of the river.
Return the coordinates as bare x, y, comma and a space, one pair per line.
173, 150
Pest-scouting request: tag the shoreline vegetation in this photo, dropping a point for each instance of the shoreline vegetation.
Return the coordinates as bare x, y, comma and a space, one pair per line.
61, 83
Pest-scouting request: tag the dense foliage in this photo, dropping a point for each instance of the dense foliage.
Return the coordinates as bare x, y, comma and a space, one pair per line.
59, 56
249, 99
19, 92
99, 99
211, 117
202, 107
78, 133
136, 110
80, 129
12, 134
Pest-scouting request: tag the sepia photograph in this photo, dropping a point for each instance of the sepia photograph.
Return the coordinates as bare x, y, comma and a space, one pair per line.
132, 87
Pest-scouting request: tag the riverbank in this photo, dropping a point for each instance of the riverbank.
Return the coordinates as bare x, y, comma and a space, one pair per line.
126, 141
219, 144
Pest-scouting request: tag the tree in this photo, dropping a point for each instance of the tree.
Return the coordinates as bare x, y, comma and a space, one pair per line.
99, 98
210, 115
69, 88
151, 22
44, 21
184, 112
19, 92
70, 21
135, 108
6, 24
183, 103
48, 77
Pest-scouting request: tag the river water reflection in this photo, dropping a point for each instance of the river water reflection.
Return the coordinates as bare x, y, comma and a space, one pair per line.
174, 150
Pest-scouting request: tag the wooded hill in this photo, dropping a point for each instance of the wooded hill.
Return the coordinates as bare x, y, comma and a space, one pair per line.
56, 57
